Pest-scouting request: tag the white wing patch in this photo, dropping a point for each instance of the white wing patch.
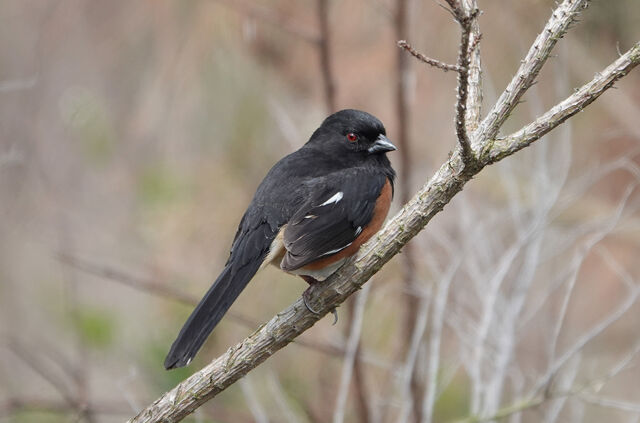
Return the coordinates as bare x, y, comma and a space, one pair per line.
334, 199
335, 251
358, 230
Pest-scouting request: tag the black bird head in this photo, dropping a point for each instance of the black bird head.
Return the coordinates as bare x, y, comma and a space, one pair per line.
352, 133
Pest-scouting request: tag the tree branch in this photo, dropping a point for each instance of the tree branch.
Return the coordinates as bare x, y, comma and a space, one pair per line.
465, 16
561, 18
581, 98
431, 199
468, 107
474, 78
404, 44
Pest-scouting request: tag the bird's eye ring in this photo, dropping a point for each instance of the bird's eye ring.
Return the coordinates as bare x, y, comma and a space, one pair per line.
352, 137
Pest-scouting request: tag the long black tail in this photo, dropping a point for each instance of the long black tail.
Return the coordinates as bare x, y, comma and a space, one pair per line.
208, 313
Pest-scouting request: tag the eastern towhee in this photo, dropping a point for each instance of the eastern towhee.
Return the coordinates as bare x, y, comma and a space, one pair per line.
312, 211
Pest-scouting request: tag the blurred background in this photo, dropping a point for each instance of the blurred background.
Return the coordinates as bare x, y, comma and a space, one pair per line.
133, 135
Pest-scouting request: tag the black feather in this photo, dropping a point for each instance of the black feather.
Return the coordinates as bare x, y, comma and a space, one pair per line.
317, 230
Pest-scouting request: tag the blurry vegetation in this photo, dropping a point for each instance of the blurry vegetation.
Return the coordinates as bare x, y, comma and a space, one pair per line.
87, 119
453, 402
159, 186
96, 327
149, 126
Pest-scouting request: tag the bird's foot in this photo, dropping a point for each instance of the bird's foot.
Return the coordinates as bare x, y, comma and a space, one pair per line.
334, 311
309, 280
305, 299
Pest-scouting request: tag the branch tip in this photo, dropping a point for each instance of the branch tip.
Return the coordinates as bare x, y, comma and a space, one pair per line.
403, 44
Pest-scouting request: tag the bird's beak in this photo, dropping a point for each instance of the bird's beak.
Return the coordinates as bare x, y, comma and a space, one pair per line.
382, 145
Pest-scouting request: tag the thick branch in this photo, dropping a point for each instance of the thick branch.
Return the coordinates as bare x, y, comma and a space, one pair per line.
585, 95
555, 29
295, 319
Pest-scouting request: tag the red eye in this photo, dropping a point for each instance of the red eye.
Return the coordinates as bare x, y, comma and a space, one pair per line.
352, 137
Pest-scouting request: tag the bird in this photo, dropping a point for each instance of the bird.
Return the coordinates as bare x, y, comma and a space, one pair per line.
312, 211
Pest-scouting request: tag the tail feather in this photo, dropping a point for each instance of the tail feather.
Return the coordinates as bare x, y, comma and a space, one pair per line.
208, 313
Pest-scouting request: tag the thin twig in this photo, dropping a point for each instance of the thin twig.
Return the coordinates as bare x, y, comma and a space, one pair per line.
611, 403
139, 283
32, 360
597, 329
403, 44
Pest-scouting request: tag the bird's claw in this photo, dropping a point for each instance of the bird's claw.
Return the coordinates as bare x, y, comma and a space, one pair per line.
334, 311
305, 300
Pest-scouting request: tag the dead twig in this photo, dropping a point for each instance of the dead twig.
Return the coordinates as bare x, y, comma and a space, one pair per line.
403, 44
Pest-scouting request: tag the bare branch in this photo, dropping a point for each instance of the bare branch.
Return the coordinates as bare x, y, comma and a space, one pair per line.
562, 111
403, 44
597, 329
610, 403
474, 85
135, 282
466, 18
32, 360
562, 17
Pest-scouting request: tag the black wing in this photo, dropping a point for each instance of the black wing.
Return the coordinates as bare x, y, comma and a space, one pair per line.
339, 207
